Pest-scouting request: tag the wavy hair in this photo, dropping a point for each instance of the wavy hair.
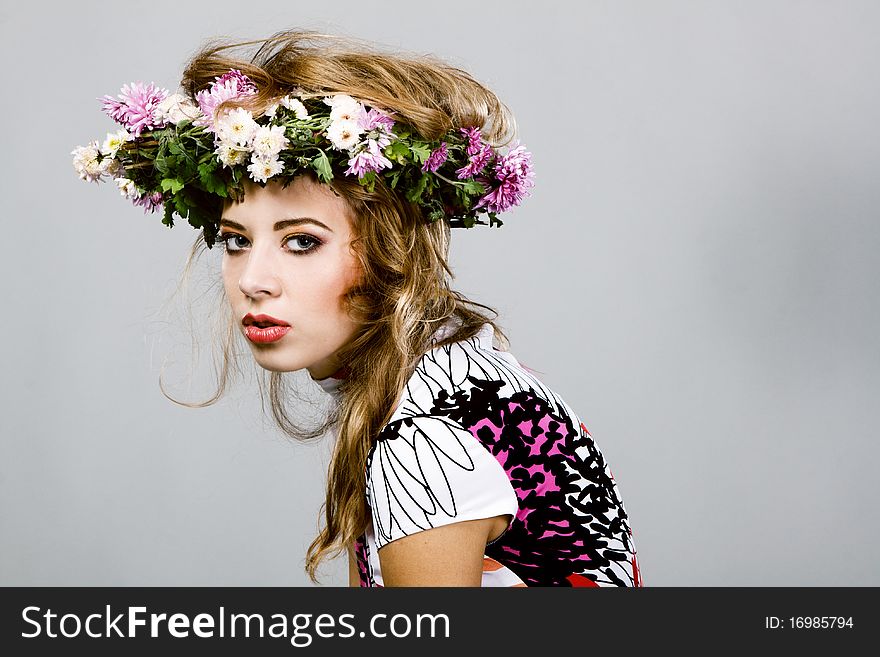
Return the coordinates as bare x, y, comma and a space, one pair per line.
404, 294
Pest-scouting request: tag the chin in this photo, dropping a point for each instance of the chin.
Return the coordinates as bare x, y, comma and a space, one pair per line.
273, 363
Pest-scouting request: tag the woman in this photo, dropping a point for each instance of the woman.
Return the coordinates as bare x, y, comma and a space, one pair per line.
332, 173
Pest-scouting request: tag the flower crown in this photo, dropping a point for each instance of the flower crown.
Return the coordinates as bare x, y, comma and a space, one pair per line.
187, 157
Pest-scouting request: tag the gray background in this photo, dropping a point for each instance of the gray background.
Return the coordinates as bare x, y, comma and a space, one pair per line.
695, 272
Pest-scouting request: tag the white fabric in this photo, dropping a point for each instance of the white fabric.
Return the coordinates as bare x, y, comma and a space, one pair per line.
433, 472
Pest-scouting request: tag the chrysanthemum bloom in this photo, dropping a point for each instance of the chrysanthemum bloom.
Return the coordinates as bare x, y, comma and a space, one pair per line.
112, 168
368, 158
261, 168
343, 134
476, 163
176, 108
268, 141
239, 79
475, 139
344, 108
150, 202
437, 157
236, 127
233, 84
127, 188
513, 175
295, 105
229, 155
86, 162
136, 106
480, 153
114, 140
378, 126
376, 119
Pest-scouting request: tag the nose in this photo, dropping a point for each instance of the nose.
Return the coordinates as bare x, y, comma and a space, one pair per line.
259, 275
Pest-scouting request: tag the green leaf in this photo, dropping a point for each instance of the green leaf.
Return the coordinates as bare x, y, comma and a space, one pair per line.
368, 180
321, 164
207, 166
421, 151
168, 219
397, 151
173, 184
161, 165
196, 216
414, 194
211, 182
473, 188
180, 205
464, 199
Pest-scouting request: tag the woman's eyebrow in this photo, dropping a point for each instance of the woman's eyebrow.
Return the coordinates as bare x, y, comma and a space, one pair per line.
280, 225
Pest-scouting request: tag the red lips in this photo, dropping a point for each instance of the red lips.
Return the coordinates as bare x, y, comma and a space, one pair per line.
265, 320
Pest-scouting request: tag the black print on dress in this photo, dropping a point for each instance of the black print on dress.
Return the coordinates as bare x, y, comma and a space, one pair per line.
571, 528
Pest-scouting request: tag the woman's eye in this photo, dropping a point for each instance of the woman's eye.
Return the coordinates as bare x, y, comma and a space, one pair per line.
303, 243
225, 239
298, 244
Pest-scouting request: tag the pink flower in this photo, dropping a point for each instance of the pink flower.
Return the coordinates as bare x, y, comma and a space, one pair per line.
375, 118
239, 79
150, 202
136, 106
436, 158
513, 175
370, 158
381, 124
476, 163
480, 153
475, 139
232, 84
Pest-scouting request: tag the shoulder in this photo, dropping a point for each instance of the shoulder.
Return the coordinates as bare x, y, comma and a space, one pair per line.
427, 471
446, 370
465, 379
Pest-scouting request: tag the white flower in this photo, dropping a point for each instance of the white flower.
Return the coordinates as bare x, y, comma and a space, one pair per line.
229, 155
86, 163
344, 134
114, 140
270, 111
344, 108
112, 167
269, 140
127, 188
176, 108
262, 168
236, 127
295, 105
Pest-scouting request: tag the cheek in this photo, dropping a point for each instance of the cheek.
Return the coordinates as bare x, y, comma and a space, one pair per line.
326, 291
229, 278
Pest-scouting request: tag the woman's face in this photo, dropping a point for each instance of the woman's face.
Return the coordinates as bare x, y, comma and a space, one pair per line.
287, 256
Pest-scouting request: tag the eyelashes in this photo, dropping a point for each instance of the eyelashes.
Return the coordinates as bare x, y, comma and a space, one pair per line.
312, 243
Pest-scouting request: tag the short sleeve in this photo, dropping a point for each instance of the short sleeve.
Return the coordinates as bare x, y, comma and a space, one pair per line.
428, 471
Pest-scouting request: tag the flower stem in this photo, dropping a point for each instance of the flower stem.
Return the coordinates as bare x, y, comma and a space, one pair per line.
442, 177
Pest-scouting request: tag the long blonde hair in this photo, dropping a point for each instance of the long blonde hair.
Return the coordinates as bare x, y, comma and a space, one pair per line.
405, 292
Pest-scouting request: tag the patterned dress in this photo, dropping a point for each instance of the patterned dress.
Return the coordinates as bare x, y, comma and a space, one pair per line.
476, 435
